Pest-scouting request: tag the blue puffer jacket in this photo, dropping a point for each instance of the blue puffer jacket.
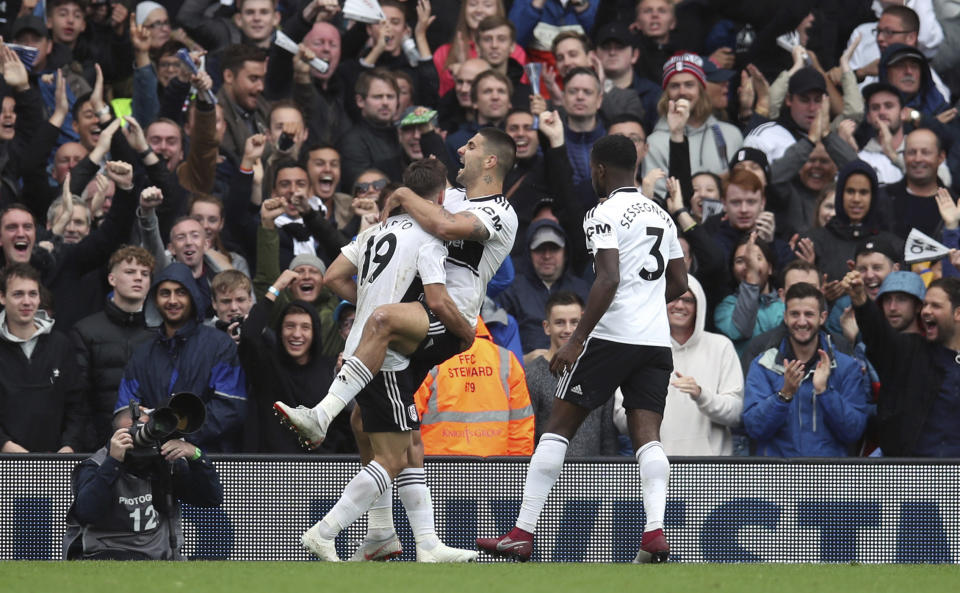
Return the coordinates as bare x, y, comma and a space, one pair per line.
199, 359
809, 425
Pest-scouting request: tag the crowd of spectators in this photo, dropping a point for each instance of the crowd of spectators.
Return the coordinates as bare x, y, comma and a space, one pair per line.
166, 229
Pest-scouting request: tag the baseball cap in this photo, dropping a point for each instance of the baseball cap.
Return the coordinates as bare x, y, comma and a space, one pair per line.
754, 155
907, 282
899, 52
876, 245
805, 80
684, 62
615, 31
28, 23
716, 74
546, 231
306, 259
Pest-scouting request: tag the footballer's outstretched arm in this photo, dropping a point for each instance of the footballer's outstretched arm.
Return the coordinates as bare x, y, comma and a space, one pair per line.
439, 301
439, 222
339, 278
676, 279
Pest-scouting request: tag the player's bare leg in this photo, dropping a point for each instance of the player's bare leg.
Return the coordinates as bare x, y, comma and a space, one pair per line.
412, 486
380, 542
400, 326
390, 457
644, 427
542, 474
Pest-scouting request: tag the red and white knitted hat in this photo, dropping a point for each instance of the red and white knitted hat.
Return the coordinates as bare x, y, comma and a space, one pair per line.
684, 62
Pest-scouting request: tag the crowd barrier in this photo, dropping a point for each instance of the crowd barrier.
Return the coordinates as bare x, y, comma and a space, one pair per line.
718, 509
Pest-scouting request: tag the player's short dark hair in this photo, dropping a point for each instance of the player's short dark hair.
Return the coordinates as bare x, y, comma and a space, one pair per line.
951, 286
615, 152
907, 16
560, 38
501, 145
367, 77
494, 21
805, 290
18, 270
425, 177
800, 265
560, 298
234, 56
475, 86
388, 189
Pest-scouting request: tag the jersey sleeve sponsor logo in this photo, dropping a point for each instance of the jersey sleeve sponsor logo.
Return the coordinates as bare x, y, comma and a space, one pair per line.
599, 228
494, 217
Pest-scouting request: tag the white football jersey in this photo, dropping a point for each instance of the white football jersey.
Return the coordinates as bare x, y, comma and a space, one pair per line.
471, 264
389, 257
646, 238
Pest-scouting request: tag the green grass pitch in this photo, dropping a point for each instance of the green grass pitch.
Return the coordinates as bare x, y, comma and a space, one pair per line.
397, 577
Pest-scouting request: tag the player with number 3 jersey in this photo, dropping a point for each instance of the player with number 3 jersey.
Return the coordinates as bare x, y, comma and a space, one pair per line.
622, 341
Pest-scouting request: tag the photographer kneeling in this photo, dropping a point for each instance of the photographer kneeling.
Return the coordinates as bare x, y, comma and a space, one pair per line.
127, 496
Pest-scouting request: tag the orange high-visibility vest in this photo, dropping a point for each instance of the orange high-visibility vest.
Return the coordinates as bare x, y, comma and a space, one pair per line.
477, 403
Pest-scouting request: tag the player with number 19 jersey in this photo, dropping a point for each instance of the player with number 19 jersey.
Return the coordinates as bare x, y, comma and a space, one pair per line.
471, 264
393, 260
646, 238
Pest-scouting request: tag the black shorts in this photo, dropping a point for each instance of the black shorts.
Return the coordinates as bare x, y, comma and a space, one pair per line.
439, 345
387, 403
641, 372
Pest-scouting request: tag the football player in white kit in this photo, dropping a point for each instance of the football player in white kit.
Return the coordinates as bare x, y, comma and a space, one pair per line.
622, 340
480, 232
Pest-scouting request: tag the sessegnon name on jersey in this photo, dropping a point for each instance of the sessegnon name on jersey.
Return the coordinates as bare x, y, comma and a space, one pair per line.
643, 207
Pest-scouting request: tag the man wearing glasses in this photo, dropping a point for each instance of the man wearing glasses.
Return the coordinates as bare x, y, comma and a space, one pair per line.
899, 23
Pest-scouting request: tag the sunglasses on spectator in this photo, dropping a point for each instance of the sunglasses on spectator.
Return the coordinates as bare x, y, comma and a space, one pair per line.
364, 187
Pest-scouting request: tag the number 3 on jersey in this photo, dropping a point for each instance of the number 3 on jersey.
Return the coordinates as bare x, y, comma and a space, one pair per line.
655, 252
381, 256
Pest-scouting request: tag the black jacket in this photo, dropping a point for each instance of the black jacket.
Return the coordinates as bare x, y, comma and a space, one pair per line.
104, 343
909, 379
40, 406
367, 145
273, 376
837, 241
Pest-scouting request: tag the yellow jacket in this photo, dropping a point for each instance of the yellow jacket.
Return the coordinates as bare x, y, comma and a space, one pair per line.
477, 403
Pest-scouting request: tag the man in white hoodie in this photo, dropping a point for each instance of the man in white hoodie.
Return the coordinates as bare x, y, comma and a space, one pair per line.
39, 387
705, 397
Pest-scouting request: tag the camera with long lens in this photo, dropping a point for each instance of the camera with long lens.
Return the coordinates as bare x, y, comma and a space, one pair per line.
184, 414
